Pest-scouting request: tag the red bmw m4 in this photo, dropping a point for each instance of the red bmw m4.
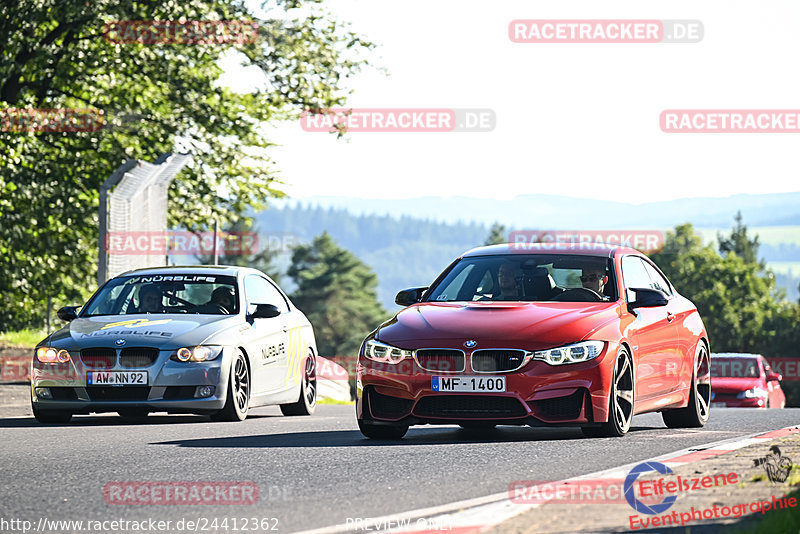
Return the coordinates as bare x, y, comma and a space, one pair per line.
537, 334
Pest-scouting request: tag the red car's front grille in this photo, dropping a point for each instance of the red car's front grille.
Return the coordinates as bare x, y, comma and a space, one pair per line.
497, 360
441, 360
469, 407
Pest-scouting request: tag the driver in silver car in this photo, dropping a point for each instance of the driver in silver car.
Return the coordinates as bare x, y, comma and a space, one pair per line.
223, 296
150, 300
222, 302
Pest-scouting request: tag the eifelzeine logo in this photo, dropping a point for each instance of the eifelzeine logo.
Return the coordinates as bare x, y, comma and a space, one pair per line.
630, 494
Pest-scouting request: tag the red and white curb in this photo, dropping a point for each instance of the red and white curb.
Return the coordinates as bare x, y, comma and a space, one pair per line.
480, 514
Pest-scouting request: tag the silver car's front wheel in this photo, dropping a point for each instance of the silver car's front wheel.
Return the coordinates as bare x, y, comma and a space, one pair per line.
307, 402
238, 401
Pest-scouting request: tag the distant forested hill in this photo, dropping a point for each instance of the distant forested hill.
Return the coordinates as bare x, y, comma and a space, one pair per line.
409, 251
403, 251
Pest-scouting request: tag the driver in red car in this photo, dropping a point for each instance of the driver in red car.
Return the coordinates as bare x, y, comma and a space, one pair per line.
507, 276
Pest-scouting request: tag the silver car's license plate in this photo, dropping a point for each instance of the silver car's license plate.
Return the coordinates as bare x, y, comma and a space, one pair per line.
469, 384
116, 378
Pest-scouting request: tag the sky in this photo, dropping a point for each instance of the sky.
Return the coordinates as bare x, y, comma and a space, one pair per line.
572, 119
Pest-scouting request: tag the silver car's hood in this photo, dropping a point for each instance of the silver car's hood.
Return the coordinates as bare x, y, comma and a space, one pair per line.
163, 331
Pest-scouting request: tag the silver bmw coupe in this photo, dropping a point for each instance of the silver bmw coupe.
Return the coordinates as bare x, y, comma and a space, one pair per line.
211, 340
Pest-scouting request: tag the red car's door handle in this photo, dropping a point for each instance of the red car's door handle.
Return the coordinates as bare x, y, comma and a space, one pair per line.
670, 316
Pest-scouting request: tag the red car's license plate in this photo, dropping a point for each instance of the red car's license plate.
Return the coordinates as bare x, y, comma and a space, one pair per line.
469, 384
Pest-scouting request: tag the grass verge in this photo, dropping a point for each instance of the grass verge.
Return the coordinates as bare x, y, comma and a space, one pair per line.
22, 338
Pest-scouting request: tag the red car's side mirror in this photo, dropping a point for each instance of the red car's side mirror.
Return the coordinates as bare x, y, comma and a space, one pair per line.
776, 377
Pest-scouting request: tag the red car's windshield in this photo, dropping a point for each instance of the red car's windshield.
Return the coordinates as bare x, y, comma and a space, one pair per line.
528, 277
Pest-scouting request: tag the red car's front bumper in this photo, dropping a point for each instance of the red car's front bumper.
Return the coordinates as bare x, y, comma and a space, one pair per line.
537, 394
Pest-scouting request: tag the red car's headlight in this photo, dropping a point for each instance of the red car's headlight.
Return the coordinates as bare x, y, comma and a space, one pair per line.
381, 352
574, 353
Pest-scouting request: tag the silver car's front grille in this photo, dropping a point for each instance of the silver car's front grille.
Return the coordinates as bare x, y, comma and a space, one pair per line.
99, 358
133, 357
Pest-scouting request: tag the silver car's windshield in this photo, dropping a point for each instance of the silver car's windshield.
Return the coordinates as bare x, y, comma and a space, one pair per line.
159, 294
528, 277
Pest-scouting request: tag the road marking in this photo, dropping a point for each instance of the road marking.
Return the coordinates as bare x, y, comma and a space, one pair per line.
479, 514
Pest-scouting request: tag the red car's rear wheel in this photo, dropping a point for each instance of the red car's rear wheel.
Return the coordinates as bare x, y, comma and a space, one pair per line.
696, 413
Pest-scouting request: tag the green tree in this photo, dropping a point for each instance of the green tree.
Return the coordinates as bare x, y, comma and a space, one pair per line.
54, 54
497, 235
734, 296
244, 229
740, 243
338, 294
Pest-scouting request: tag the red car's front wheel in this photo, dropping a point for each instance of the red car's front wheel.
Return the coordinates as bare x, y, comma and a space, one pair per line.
620, 401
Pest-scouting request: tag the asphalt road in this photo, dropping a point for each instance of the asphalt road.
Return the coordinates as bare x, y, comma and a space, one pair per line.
311, 471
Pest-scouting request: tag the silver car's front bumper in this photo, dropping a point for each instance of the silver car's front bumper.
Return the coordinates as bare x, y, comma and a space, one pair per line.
172, 387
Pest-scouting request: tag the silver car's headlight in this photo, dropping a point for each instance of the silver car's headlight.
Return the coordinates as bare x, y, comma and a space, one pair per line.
200, 353
381, 352
575, 353
52, 355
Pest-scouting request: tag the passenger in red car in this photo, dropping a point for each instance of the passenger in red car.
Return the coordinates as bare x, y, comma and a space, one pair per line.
594, 278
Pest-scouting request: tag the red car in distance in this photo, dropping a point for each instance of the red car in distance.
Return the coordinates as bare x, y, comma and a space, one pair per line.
583, 335
745, 381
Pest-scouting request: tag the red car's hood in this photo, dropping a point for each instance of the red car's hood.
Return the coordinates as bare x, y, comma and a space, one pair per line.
735, 384
529, 325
